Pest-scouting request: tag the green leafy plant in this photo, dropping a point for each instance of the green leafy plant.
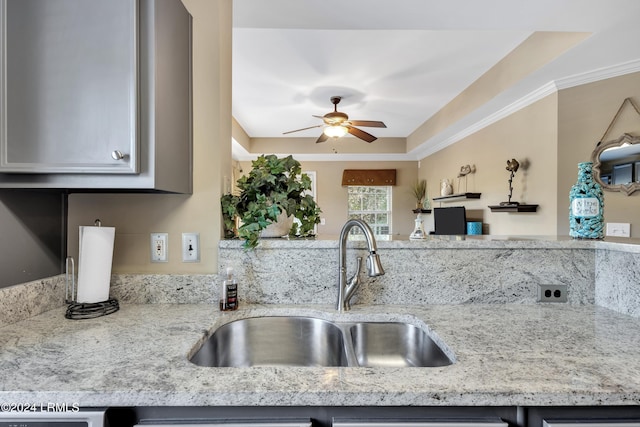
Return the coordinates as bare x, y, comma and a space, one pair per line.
228, 204
273, 186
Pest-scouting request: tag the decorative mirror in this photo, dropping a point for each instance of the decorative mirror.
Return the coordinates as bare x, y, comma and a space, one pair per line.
616, 164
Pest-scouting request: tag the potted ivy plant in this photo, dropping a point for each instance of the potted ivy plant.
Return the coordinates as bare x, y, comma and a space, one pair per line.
274, 186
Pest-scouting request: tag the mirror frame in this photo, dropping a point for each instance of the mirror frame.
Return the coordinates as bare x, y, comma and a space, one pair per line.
628, 189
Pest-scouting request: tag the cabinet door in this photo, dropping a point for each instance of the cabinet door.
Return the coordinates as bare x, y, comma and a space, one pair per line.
68, 78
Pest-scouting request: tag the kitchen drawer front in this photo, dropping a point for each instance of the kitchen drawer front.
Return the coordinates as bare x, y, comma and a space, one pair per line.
586, 416
591, 423
399, 422
222, 423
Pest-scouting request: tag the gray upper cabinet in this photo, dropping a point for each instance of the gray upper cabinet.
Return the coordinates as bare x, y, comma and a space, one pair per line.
96, 95
70, 86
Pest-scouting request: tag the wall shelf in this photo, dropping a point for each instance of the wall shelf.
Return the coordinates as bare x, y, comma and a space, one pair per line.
456, 197
424, 211
514, 208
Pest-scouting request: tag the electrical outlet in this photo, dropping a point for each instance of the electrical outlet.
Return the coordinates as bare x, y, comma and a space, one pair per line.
190, 247
159, 247
618, 229
552, 293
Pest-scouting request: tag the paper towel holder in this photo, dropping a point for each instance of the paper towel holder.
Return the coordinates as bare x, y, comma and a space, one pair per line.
70, 281
84, 310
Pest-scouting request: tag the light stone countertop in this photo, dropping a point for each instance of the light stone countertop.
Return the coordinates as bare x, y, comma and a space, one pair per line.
484, 241
506, 354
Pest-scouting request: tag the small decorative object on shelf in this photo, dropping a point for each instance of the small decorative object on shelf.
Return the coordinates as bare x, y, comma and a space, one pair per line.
512, 167
510, 205
586, 209
446, 189
462, 175
418, 231
474, 228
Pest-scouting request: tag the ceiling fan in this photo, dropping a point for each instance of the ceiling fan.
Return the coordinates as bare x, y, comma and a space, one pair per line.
337, 124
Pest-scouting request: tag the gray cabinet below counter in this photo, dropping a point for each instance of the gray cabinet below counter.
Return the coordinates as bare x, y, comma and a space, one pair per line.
382, 416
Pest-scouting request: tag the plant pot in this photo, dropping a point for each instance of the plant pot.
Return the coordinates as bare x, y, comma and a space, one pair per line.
279, 228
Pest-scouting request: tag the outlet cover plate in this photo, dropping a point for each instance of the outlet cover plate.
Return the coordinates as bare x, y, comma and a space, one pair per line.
190, 247
159, 247
552, 293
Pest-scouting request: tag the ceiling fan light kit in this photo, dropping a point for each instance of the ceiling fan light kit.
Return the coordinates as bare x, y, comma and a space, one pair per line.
335, 131
337, 124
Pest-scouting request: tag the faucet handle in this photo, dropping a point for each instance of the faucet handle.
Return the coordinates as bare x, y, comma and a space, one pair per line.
374, 266
355, 278
353, 284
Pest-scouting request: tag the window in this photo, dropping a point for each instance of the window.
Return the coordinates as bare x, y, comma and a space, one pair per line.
372, 204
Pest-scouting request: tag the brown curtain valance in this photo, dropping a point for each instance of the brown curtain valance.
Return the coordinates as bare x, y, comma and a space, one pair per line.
369, 177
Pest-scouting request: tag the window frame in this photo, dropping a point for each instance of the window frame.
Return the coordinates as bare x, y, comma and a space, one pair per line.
360, 213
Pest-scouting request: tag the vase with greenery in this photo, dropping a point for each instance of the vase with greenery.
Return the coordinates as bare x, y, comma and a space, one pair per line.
274, 186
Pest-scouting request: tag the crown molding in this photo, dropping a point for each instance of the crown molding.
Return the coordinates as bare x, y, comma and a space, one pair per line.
599, 74
434, 145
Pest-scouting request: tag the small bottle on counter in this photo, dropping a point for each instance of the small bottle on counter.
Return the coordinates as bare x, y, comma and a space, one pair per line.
229, 294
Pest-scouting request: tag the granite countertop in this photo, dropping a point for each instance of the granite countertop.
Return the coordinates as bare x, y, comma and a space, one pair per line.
506, 354
485, 241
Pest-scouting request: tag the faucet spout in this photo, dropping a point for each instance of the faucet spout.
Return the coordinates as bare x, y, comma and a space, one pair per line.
374, 267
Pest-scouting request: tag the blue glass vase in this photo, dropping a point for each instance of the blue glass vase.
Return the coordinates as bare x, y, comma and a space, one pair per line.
586, 208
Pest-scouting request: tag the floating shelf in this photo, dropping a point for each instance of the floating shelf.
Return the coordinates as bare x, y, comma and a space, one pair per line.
425, 211
456, 197
514, 208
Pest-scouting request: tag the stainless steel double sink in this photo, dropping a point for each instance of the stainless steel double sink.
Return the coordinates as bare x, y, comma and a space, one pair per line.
308, 341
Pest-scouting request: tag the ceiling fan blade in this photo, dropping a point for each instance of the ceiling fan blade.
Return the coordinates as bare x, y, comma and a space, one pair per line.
322, 138
368, 123
298, 130
361, 134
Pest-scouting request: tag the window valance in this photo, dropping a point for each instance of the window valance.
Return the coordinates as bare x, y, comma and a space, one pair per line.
369, 177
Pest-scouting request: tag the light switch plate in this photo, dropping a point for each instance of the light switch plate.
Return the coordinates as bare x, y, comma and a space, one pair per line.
159, 247
190, 247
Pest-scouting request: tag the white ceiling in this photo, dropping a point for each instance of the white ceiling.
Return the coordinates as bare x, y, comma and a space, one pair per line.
402, 61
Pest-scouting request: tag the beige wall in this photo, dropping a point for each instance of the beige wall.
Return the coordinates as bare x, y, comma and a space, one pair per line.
135, 216
584, 115
529, 134
332, 196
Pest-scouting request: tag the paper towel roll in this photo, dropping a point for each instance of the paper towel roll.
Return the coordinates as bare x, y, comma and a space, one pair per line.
94, 263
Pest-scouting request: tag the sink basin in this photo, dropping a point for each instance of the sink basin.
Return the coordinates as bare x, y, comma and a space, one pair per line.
274, 341
307, 341
395, 345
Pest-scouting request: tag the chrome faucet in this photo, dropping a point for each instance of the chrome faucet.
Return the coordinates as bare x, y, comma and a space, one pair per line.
374, 268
